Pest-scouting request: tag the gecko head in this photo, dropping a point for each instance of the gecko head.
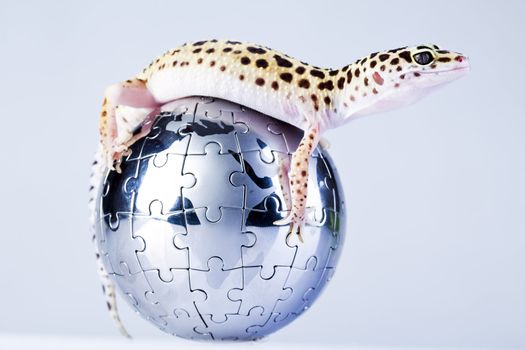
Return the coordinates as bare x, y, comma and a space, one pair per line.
390, 79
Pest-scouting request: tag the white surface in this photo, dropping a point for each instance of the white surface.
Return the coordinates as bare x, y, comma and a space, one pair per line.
435, 192
34, 342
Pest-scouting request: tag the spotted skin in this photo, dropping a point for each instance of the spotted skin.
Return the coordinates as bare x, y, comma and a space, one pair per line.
311, 98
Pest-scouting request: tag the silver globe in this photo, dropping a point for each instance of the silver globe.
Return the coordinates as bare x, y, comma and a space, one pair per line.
186, 230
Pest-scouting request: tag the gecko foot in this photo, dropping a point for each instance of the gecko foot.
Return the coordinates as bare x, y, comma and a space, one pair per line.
296, 223
115, 157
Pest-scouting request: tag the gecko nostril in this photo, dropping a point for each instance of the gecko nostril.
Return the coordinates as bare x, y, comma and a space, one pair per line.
460, 58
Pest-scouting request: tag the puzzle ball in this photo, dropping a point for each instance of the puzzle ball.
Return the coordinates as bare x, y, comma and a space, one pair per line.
186, 230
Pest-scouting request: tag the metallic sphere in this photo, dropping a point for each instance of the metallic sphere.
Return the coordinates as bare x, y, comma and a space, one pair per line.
187, 231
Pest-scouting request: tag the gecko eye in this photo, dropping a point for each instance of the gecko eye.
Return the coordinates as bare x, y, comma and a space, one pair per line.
423, 58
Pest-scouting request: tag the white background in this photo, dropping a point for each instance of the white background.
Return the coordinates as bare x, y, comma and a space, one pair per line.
435, 192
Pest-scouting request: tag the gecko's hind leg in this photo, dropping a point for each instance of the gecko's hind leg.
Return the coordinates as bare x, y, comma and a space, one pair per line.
298, 177
116, 129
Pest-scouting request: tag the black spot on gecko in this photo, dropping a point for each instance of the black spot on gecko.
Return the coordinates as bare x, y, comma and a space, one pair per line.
300, 70
349, 76
282, 62
357, 72
329, 85
304, 83
245, 60
394, 61
287, 77
199, 43
259, 81
398, 49
197, 50
212, 50
383, 57
227, 49
233, 42
341, 83
261, 63
333, 73
327, 100
406, 56
275, 85
256, 50
316, 104
373, 63
317, 73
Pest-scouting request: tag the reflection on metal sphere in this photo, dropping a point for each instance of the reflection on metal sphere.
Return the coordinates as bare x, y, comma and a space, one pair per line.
186, 230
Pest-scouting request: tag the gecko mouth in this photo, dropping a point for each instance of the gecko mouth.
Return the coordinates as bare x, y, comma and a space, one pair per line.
457, 69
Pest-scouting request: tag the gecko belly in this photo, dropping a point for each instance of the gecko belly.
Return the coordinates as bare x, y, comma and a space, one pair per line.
172, 84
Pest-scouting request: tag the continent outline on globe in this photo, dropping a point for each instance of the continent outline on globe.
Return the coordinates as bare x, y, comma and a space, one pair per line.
178, 220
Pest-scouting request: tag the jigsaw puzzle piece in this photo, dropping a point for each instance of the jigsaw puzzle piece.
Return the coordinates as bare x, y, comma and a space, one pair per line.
270, 249
163, 183
117, 197
259, 291
258, 330
123, 244
145, 301
291, 135
252, 139
212, 187
229, 329
325, 166
165, 132
207, 239
220, 131
217, 281
311, 294
176, 294
321, 244
102, 242
183, 323
218, 109
259, 179
167, 136
160, 252
302, 282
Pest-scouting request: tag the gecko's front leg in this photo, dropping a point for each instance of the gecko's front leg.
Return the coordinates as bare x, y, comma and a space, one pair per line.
136, 108
298, 179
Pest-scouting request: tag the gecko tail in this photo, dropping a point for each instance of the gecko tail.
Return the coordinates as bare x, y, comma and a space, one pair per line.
98, 170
